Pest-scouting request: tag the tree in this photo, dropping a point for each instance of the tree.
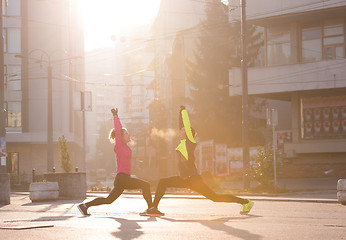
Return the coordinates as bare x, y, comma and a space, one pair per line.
217, 50
65, 160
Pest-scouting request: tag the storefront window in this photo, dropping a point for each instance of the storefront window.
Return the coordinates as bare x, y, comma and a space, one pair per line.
14, 115
278, 45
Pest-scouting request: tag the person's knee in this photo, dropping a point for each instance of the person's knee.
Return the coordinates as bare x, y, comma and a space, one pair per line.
109, 200
215, 198
162, 185
165, 181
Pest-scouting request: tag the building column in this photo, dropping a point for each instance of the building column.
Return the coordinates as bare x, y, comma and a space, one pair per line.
295, 110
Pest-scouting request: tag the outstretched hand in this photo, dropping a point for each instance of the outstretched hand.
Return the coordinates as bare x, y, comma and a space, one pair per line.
114, 111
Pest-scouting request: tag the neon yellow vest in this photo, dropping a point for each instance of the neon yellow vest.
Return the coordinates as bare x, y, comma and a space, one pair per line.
182, 146
182, 149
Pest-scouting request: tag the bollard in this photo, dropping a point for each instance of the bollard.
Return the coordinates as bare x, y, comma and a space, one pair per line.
33, 175
76, 169
53, 169
341, 194
5, 191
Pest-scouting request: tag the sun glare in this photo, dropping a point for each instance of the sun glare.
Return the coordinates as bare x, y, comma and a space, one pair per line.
104, 18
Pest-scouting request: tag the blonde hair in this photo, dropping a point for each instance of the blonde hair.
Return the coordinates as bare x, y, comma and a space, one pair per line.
111, 135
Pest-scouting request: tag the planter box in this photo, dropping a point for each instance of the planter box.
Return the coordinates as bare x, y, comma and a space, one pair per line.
42, 191
71, 185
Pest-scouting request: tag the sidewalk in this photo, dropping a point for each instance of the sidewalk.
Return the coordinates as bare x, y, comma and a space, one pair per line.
187, 217
296, 184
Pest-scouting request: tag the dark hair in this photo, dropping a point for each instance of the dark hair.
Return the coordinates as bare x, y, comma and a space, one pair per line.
193, 132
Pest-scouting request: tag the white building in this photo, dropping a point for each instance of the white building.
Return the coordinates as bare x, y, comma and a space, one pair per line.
39, 34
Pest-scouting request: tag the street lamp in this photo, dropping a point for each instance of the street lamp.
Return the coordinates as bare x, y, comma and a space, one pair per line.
43, 55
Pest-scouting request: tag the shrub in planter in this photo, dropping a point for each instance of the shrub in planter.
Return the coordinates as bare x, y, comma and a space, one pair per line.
263, 170
65, 160
71, 185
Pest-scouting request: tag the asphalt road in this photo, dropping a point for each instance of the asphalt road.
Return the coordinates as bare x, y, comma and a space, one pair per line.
186, 218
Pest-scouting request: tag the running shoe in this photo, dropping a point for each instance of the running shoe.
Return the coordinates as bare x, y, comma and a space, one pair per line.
246, 207
83, 209
152, 212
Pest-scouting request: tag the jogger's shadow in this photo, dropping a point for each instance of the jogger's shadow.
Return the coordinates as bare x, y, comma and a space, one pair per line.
129, 229
219, 224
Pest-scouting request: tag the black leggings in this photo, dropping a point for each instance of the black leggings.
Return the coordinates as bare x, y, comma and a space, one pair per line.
124, 181
195, 183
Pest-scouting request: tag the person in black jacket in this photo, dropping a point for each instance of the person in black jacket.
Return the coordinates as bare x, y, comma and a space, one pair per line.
189, 177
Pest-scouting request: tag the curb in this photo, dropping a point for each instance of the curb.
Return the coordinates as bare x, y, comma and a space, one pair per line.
256, 197
253, 197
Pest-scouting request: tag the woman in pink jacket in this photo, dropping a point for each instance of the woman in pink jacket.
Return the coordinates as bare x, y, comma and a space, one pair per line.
123, 179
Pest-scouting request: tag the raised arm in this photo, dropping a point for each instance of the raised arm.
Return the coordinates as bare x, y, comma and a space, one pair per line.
184, 121
117, 125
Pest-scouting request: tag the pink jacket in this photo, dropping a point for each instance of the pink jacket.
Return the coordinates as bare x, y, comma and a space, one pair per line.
122, 151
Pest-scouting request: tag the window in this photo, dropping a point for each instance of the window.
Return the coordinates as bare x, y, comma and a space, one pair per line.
13, 165
333, 39
4, 32
12, 8
14, 78
311, 43
278, 45
14, 114
13, 40
259, 60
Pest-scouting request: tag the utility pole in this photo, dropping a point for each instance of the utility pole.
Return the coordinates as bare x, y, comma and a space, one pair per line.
245, 105
2, 93
50, 154
4, 176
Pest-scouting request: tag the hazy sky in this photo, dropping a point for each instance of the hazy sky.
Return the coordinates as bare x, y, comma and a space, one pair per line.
104, 18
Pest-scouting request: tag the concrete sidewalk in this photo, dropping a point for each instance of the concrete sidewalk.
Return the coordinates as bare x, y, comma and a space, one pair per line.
187, 217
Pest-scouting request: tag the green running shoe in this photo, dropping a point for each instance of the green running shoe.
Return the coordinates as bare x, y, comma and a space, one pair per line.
152, 212
246, 207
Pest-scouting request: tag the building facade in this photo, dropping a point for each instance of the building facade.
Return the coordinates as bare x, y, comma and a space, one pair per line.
303, 64
43, 41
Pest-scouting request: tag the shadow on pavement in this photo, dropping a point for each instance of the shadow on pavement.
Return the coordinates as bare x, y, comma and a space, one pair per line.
53, 205
219, 225
58, 202
129, 229
54, 218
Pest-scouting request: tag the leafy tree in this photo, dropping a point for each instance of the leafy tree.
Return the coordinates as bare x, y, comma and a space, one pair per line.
65, 160
217, 50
